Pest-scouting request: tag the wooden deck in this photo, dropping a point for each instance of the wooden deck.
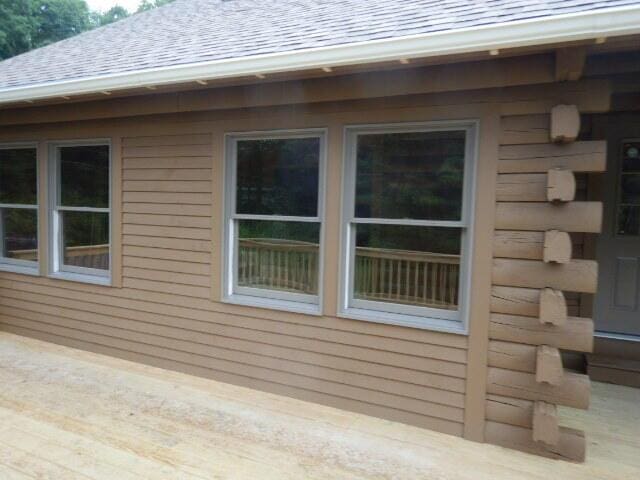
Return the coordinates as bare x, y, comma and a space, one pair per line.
67, 414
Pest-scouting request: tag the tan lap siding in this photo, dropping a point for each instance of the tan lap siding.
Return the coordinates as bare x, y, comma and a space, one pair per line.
164, 315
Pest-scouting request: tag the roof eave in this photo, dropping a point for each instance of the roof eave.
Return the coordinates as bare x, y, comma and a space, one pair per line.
542, 31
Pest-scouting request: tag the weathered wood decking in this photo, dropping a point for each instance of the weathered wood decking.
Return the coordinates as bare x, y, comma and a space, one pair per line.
68, 414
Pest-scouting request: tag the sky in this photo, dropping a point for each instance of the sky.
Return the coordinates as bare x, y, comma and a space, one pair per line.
103, 5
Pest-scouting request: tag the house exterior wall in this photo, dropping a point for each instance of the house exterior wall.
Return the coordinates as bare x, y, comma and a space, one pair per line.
164, 307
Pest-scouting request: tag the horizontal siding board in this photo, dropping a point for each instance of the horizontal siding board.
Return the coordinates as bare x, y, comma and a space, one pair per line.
525, 129
167, 197
167, 220
168, 277
130, 252
432, 423
167, 174
179, 266
71, 329
167, 151
176, 244
166, 232
166, 287
167, 140
167, 162
398, 352
178, 186
168, 209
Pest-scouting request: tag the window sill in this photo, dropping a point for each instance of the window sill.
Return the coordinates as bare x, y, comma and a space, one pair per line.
23, 269
411, 321
81, 278
273, 304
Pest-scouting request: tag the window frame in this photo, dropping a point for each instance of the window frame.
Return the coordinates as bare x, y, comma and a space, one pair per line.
57, 268
258, 297
30, 267
396, 313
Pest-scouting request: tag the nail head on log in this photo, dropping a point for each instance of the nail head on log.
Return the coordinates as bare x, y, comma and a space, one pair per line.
561, 185
565, 123
557, 247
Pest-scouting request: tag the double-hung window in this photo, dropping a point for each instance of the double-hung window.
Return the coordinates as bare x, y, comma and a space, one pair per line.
406, 224
273, 231
19, 208
80, 211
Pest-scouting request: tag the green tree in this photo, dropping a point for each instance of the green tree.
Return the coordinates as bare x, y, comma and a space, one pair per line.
149, 4
17, 24
60, 19
114, 14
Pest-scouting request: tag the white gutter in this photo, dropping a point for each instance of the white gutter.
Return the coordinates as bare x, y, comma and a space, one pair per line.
554, 29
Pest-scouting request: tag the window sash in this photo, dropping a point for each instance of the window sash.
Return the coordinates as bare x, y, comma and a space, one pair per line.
397, 313
57, 267
16, 261
29, 264
269, 298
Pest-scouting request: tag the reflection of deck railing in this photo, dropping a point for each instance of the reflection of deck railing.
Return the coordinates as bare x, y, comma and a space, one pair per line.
88, 256
417, 278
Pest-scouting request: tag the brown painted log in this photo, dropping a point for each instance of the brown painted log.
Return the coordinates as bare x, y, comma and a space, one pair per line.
549, 365
521, 187
571, 444
561, 185
512, 356
573, 391
565, 123
515, 300
509, 410
555, 185
576, 276
590, 156
583, 217
517, 244
557, 247
576, 334
545, 423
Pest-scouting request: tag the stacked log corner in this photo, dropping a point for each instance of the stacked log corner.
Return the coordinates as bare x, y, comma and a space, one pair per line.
533, 274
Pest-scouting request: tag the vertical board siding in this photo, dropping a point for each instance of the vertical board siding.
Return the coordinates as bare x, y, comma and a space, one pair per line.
164, 315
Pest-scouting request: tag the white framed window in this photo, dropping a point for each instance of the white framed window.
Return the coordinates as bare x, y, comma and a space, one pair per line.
406, 224
80, 211
273, 231
19, 208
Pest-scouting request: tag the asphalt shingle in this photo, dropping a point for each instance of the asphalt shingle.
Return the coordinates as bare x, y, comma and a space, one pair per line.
191, 31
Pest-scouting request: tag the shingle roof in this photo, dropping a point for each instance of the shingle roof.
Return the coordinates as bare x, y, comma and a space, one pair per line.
191, 31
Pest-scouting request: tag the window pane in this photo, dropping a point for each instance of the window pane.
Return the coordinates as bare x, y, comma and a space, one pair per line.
86, 239
20, 233
631, 157
629, 220
630, 188
414, 175
278, 177
18, 176
84, 176
279, 255
408, 265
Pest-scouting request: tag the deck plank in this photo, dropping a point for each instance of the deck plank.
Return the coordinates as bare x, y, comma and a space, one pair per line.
66, 413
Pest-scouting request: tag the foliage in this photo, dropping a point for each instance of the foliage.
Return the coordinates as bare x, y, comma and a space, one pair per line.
29, 24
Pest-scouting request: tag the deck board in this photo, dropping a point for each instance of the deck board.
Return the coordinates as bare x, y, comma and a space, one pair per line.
67, 413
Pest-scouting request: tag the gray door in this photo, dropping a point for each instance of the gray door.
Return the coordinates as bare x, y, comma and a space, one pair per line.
617, 303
